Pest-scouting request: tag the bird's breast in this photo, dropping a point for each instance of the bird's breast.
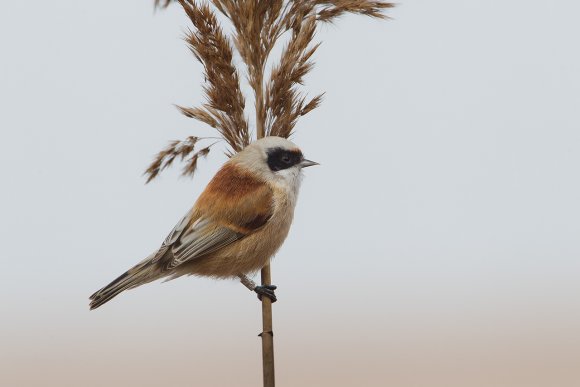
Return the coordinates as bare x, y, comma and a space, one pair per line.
252, 252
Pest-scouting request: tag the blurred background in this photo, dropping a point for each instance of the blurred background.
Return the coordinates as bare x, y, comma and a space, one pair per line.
437, 245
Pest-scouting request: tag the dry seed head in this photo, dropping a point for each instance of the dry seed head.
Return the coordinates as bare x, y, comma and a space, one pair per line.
257, 26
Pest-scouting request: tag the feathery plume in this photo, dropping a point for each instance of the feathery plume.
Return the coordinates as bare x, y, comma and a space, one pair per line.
177, 149
257, 25
224, 109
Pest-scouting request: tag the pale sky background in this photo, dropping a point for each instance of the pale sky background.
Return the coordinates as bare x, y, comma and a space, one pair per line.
437, 245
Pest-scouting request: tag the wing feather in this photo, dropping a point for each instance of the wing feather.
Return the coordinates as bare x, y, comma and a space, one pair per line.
203, 239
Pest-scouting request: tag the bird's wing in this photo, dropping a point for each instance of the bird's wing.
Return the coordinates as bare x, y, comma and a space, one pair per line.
204, 237
171, 239
222, 215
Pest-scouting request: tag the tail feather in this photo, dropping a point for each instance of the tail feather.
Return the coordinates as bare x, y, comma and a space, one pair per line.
141, 274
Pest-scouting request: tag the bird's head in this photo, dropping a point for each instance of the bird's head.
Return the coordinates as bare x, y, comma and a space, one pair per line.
273, 158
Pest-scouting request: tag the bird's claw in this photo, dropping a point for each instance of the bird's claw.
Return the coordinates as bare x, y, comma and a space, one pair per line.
266, 290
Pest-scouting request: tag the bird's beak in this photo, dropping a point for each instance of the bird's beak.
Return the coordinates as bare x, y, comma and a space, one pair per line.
307, 163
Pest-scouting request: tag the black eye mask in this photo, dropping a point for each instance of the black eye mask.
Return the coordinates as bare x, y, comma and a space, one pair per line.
279, 158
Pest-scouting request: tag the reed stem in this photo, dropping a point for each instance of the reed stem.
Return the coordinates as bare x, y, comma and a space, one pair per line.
267, 333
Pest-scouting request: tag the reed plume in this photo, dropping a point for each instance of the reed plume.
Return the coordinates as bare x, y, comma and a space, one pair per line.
257, 26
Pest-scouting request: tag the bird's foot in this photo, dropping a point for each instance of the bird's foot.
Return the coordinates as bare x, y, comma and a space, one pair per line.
266, 290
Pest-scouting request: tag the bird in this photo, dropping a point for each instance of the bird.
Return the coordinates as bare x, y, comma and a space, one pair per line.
236, 225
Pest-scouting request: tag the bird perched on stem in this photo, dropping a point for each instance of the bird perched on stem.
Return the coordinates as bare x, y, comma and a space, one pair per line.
237, 224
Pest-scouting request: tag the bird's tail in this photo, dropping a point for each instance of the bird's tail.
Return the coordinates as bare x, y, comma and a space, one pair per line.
140, 274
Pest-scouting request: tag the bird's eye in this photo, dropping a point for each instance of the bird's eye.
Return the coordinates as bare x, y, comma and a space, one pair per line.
286, 159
